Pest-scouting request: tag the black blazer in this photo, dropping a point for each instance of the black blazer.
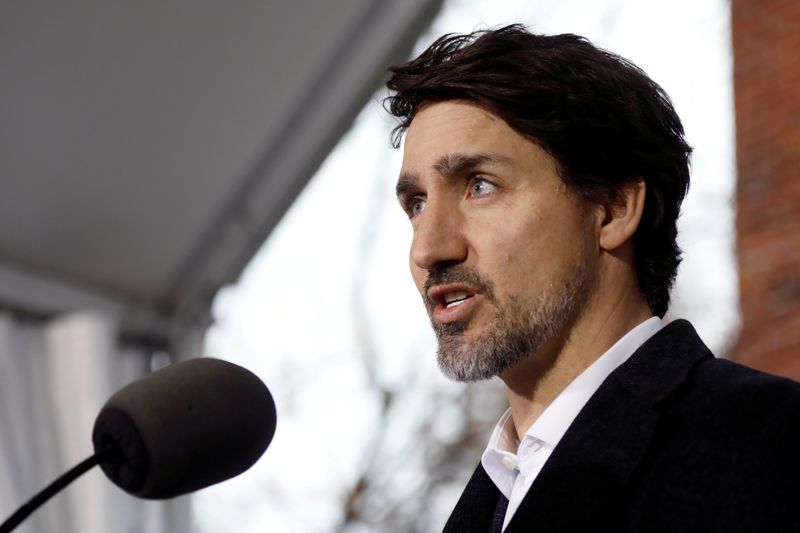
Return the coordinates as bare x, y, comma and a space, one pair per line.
674, 440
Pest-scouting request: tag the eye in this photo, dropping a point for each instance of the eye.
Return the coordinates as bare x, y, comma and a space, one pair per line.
481, 187
415, 206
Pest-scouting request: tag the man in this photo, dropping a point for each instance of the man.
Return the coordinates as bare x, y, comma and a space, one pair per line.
543, 179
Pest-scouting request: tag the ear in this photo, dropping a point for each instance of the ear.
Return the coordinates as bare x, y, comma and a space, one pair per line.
621, 215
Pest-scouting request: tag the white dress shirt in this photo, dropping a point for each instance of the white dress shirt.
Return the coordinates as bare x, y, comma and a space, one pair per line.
513, 465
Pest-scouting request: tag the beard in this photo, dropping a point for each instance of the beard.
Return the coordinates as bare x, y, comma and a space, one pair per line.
516, 330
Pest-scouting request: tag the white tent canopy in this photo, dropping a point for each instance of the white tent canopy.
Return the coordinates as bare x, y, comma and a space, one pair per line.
147, 148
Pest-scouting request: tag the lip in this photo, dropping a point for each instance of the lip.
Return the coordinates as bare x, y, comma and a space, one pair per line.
442, 314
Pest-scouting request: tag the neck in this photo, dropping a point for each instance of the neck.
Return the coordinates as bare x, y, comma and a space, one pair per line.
537, 380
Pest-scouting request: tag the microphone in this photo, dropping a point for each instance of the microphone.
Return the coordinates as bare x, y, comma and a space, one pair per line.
184, 427
180, 429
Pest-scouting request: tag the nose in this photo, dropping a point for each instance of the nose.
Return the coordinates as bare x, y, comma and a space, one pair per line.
438, 238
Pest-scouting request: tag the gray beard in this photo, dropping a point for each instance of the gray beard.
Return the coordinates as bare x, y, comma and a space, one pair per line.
515, 332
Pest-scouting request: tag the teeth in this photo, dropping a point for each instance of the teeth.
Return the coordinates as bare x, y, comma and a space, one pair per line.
455, 298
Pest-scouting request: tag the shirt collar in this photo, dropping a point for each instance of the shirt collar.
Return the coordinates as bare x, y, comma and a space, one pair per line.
551, 425
559, 415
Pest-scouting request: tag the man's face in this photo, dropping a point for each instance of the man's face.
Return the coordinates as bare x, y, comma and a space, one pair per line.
503, 253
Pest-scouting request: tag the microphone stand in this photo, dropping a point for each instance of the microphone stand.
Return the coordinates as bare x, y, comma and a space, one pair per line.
52, 489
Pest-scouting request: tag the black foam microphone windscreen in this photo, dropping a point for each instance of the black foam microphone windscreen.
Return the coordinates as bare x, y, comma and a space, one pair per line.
184, 427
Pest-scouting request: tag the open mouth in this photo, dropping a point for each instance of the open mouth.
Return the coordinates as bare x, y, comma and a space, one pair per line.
453, 299
452, 296
451, 303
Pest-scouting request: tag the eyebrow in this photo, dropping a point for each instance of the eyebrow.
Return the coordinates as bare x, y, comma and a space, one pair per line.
453, 164
449, 165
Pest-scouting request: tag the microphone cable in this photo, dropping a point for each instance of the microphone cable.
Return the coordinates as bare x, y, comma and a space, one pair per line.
51, 490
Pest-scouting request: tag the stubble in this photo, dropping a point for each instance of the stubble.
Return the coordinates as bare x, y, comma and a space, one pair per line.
517, 329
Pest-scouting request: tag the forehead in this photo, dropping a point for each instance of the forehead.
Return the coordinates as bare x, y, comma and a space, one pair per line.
442, 129
453, 115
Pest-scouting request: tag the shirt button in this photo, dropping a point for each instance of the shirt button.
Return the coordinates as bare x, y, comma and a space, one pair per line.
509, 463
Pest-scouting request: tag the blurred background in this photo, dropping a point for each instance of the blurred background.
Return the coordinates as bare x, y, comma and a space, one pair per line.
205, 178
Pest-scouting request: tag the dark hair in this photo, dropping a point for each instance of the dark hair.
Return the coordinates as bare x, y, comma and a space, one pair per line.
598, 115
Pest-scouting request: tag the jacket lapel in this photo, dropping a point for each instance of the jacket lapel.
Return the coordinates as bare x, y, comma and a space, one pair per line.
577, 488
474, 511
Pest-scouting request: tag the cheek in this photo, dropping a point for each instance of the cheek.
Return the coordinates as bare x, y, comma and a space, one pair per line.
505, 256
514, 241
520, 256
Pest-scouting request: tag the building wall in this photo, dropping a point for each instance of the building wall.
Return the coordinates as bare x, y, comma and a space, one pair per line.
766, 44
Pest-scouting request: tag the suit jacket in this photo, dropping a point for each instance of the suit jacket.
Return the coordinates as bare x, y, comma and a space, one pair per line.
674, 440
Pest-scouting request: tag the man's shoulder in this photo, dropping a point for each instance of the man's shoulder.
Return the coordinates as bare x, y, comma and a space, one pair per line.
683, 353
722, 376
728, 390
723, 425
722, 379
688, 382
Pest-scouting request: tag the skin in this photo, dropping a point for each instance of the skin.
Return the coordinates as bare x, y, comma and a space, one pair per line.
482, 196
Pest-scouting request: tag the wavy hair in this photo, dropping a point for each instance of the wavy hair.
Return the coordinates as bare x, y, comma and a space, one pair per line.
603, 120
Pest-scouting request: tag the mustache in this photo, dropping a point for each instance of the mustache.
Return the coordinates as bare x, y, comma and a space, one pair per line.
457, 274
